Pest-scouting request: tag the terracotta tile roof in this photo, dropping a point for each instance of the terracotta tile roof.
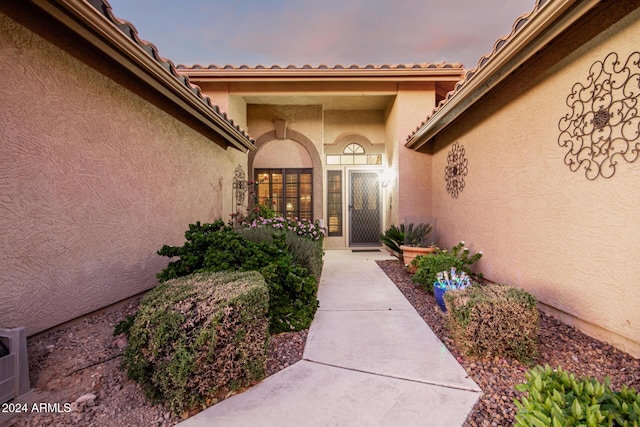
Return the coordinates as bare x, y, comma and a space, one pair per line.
322, 67
131, 32
519, 23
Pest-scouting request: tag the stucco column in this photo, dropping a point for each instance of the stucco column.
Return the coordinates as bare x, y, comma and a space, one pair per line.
413, 103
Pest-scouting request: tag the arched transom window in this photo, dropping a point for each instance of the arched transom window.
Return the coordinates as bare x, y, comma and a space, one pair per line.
353, 148
354, 154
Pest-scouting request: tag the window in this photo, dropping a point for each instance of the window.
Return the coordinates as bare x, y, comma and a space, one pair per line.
290, 191
334, 203
353, 148
354, 154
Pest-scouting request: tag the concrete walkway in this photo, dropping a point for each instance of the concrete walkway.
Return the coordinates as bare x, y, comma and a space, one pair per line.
370, 360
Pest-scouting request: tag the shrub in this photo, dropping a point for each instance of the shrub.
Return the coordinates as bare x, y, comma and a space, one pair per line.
305, 252
556, 398
427, 267
302, 227
494, 320
198, 338
215, 247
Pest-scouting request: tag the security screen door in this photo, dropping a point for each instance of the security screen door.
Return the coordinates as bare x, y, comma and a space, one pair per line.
364, 209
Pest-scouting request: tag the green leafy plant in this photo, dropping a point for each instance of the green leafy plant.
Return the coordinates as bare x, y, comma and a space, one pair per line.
557, 398
427, 267
417, 235
393, 237
264, 210
304, 251
216, 247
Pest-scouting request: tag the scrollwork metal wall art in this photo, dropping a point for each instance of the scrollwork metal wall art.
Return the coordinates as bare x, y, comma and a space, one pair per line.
603, 126
456, 170
240, 187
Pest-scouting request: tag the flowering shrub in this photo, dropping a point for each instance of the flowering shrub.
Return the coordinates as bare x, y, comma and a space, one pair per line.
302, 227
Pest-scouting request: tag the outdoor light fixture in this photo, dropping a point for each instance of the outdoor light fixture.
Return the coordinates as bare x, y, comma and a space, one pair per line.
386, 176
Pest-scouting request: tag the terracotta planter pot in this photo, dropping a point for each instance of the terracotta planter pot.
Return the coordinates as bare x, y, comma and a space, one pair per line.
410, 252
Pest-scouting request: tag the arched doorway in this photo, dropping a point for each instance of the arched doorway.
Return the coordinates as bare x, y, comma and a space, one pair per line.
288, 173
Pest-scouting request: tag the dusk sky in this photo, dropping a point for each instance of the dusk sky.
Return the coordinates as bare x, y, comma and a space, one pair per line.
315, 32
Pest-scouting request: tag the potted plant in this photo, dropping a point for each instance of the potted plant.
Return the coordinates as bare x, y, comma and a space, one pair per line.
458, 258
447, 281
393, 238
416, 242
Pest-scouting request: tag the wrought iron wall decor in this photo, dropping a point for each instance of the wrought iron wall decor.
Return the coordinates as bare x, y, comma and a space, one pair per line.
603, 126
240, 188
456, 170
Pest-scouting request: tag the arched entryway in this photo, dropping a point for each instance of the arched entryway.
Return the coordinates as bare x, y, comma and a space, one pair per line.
289, 174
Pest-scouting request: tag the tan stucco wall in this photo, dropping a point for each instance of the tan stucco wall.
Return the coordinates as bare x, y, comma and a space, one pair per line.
282, 153
414, 101
570, 241
93, 181
390, 213
338, 123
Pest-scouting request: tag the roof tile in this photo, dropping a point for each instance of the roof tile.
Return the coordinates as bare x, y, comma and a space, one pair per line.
129, 30
426, 65
518, 24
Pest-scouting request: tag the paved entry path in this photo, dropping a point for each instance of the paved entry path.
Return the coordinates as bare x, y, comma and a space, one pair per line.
370, 360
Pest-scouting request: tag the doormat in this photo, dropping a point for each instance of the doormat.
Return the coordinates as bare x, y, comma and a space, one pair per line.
365, 250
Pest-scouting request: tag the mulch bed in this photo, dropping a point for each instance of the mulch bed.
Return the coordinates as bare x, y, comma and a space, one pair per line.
559, 345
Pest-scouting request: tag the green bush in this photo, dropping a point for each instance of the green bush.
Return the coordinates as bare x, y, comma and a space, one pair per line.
556, 398
216, 247
427, 267
305, 252
197, 338
493, 320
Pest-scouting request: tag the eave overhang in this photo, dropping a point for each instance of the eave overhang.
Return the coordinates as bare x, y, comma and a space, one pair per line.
354, 73
89, 20
543, 26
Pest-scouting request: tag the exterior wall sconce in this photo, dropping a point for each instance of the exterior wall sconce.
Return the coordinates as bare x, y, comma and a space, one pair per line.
386, 176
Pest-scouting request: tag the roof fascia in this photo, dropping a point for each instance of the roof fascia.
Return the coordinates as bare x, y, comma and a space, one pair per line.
544, 26
322, 75
83, 19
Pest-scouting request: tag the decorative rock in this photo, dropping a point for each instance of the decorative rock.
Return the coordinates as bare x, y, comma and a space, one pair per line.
86, 398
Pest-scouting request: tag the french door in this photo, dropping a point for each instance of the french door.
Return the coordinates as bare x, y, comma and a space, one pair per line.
288, 190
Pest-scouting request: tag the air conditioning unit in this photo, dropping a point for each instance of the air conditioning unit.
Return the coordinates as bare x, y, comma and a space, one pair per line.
14, 364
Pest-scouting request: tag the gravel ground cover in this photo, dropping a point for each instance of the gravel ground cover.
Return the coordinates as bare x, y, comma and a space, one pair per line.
558, 345
78, 367
79, 364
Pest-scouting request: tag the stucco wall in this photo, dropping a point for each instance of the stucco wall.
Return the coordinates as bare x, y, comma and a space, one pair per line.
570, 241
368, 123
93, 181
392, 148
414, 101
